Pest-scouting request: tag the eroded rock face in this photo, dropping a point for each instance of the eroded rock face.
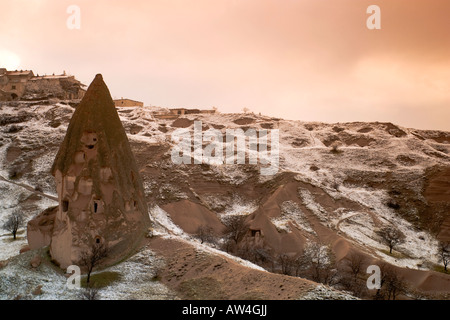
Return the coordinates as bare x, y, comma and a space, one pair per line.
40, 228
101, 198
437, 194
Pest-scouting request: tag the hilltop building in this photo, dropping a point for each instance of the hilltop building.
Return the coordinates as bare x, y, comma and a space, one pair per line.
24, 85
174, 113
128, 103
13, 83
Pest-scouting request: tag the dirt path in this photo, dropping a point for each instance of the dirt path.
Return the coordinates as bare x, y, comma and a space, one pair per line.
345, 218
29, 188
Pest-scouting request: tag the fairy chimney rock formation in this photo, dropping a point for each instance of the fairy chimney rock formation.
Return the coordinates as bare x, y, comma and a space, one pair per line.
100, 192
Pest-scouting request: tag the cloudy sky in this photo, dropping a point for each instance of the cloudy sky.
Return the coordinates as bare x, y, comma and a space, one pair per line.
312, 60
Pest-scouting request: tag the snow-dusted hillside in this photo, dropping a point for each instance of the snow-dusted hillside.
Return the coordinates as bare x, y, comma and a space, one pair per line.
348, 180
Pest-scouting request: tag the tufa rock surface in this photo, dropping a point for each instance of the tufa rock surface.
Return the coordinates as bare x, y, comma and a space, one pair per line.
40, 228
100, 192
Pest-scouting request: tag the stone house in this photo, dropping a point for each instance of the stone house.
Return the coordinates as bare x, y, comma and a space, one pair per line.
128, 103
63, 87
183, 111
13, 83
174, 113
24, 85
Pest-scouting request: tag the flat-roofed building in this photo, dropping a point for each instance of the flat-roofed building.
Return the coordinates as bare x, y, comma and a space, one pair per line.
123, 102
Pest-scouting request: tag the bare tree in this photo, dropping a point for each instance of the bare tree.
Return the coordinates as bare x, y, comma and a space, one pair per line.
236, 227
350, 276
391, 283
391, 236
205, 233
246, 251
90, 259
13, 223
444, 253
356, 263
228, 245
262, 256
318, 261
89, 293
287, 263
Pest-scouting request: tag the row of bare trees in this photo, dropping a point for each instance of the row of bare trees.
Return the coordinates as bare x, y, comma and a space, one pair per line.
235, 229
317, 262
315, 255
354, 279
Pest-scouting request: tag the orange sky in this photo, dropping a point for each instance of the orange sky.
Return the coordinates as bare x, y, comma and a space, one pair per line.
296, 59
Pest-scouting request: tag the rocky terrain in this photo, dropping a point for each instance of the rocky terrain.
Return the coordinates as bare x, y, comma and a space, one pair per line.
337, 184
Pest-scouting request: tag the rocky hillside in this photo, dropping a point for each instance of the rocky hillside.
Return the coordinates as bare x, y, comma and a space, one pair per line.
336, 186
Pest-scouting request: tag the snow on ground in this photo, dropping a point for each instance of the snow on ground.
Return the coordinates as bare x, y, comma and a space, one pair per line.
136, 280
301, 147
9, 247
372, 199
321, 292
164, 225
43, 163
19, 279
419, 245
291, 213
313, 206
140, 270
239, 207
3, 168
230, 173
360, 228
166, 228
12, 199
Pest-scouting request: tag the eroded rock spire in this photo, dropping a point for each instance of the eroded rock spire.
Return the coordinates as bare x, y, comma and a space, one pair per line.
101, 198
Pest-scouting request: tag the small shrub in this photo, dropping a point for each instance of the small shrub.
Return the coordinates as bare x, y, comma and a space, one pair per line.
335, 186
393, 205
89, 293
14, 173
13, 129
205, 234
335, 148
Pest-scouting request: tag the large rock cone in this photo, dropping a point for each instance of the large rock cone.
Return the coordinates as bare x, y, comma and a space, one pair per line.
100, 191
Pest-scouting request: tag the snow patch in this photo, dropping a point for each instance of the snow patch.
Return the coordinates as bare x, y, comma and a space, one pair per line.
291, 213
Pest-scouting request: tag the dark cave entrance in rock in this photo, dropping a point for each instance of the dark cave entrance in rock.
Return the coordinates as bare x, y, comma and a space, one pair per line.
65, 205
